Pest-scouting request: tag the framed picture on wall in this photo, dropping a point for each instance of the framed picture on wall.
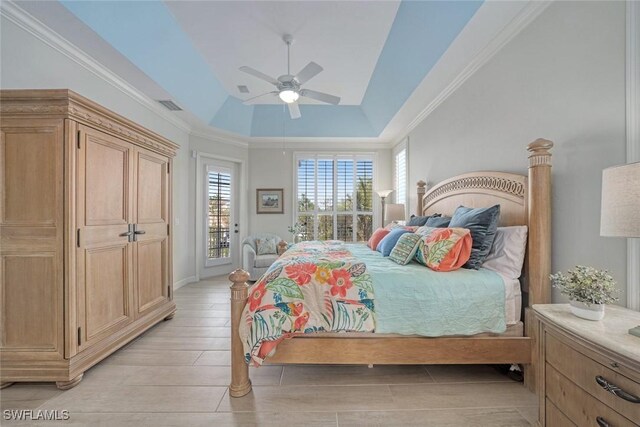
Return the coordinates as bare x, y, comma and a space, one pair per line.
270, 200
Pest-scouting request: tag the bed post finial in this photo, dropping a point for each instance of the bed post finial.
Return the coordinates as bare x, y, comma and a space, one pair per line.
421, 190
539, 246
240, 383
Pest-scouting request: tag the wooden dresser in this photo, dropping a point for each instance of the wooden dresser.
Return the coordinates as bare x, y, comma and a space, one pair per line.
589, 371
85, 254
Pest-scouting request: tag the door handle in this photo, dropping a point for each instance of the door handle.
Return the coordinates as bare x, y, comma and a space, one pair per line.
137, 232
129, 233
235, 228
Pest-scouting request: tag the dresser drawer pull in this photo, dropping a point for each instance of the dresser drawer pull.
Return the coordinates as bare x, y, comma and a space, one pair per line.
617, 390
601, 422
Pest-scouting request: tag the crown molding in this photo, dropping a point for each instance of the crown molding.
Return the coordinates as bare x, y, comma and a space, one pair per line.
318, 143
533, 9
27, 22
216, 135
633, 138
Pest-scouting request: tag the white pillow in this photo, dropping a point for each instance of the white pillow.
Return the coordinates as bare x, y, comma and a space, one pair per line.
507, 253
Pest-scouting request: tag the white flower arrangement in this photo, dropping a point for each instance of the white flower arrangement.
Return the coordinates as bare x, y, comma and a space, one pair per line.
296, 231
587, 285
295, 228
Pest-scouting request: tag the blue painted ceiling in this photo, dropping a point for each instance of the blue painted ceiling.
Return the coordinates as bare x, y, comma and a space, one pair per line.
147, 34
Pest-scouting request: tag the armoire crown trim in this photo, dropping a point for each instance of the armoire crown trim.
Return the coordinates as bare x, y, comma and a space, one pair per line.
68, 104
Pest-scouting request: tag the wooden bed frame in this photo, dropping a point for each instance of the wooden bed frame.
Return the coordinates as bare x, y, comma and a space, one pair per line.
523, 201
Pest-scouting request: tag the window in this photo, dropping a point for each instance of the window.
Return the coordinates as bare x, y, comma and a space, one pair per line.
400, 176
334, 197
219, 213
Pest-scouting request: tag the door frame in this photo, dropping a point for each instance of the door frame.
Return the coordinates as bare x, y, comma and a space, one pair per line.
241, 206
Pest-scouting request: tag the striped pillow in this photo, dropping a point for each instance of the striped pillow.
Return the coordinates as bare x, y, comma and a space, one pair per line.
404, 251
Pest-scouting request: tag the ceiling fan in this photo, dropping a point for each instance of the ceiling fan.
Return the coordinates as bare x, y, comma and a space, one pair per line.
288, 86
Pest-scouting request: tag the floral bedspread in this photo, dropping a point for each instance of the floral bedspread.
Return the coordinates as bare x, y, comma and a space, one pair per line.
315, 286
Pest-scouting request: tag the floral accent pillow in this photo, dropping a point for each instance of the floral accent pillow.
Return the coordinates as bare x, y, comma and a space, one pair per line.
444, 249
266, 246
404, 251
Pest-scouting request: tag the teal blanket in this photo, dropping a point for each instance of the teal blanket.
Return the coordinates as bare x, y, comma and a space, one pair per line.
412, 299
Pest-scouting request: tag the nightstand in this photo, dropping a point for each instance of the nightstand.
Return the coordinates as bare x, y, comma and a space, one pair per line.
589, 372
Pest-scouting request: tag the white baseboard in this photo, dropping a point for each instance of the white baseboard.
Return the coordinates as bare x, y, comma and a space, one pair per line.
185, 281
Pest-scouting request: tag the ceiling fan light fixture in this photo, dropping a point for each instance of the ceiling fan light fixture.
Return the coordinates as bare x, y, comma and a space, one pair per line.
289, 96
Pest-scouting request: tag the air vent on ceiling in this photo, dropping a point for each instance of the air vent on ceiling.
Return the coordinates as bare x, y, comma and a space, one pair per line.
169, 104
243, 89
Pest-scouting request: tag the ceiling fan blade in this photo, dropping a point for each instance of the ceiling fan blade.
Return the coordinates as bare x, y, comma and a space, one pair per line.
259, 75
320, 96
248, 101
308, 72
294, 110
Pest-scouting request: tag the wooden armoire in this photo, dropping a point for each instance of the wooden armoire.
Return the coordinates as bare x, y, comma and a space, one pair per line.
85, 238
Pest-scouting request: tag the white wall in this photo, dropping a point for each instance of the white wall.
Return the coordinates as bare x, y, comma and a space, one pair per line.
561, 78
270, 168
29, 63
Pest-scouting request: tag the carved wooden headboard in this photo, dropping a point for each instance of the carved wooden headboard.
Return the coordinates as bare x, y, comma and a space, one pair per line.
480, 189
523, 201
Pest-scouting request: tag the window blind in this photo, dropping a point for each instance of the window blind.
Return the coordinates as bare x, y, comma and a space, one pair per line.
219, 212
334, 196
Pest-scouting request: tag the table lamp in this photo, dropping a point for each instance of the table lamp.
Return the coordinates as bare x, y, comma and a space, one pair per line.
394, 212
620, 215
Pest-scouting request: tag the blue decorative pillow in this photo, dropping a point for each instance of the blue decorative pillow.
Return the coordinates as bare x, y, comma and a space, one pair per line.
438, 222
389, 241
420, 220
483, 223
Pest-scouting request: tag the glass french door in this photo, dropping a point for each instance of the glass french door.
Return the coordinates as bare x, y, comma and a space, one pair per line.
221, 227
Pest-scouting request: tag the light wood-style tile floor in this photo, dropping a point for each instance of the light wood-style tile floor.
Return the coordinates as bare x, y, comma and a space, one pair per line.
176, 375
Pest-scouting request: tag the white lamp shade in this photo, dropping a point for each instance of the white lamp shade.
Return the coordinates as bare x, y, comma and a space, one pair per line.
394, 212
621, 201
384, 193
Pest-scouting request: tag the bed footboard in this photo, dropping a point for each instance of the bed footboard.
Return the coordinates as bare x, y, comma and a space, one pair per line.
240, 382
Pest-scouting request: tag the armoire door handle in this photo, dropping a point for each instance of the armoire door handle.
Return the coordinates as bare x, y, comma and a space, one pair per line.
128, 234
137, 232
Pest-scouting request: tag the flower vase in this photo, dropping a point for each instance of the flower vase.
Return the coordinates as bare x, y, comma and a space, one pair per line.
584, 311
297, 238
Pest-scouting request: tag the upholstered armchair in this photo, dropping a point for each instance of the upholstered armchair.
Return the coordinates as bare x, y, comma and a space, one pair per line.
255, 264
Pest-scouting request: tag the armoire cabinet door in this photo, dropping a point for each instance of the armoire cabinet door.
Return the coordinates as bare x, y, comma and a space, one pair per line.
152, 238
31, 236
104, 255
